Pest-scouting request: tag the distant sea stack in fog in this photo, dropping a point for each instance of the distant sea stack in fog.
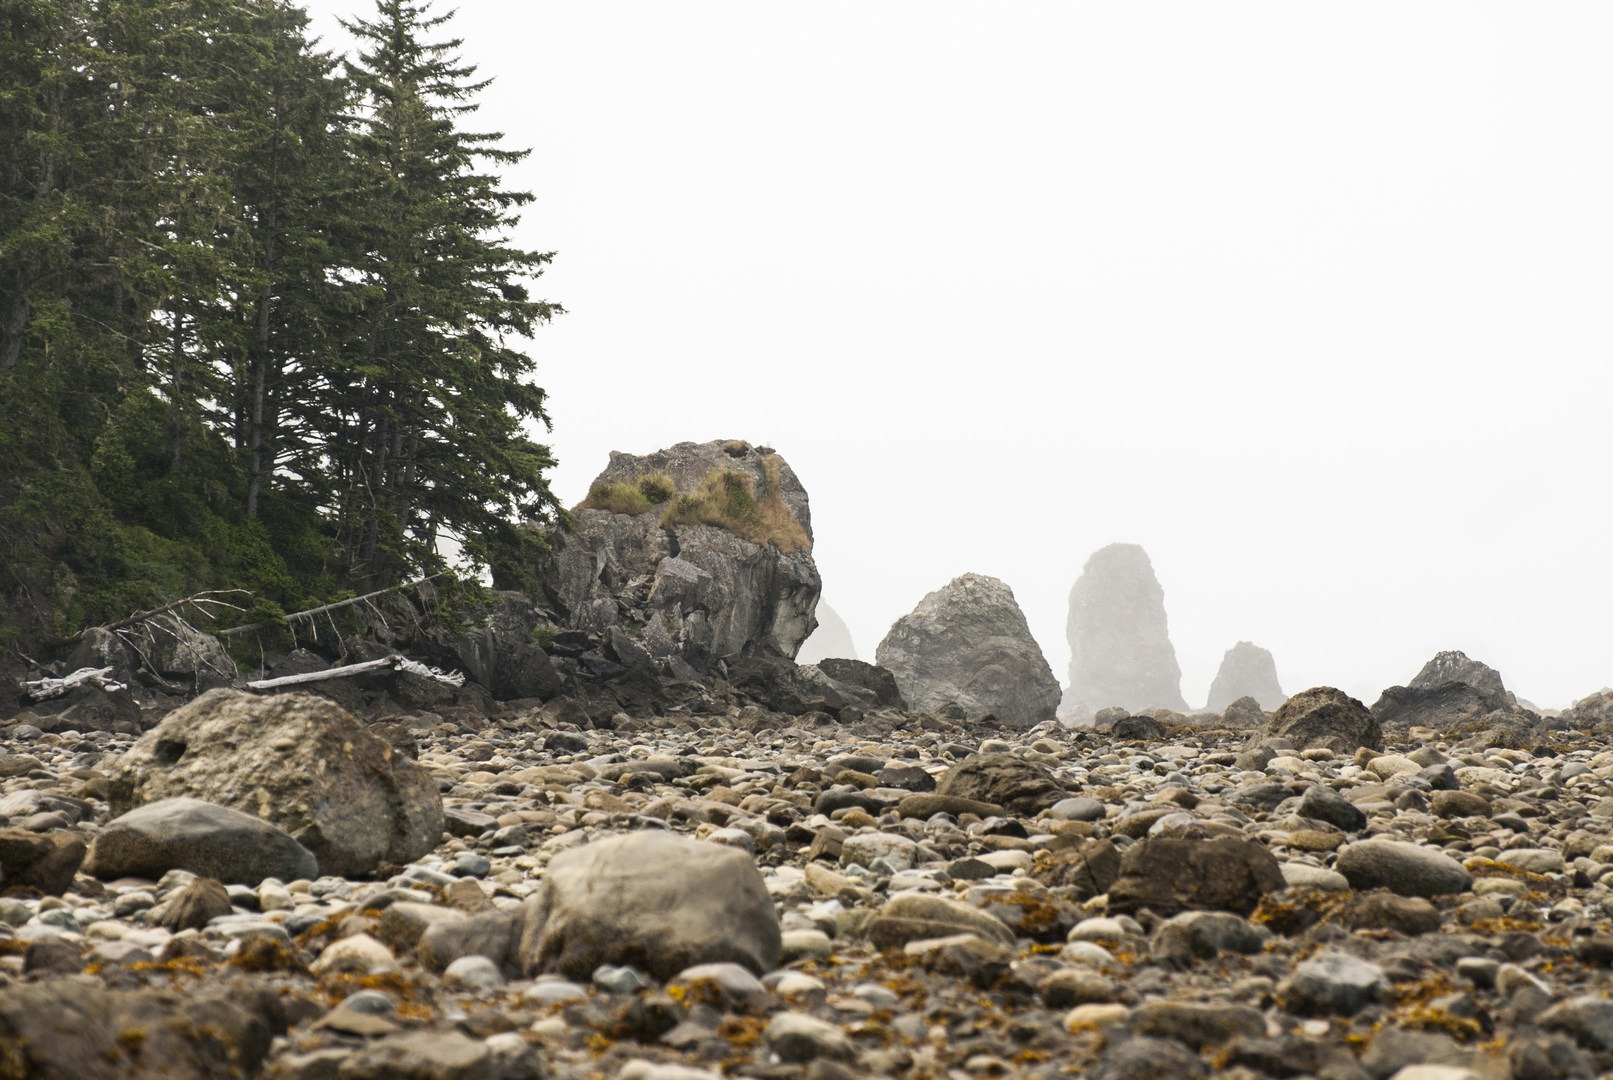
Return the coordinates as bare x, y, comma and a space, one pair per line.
831, 640
1120, 649
1247, 670
967, 650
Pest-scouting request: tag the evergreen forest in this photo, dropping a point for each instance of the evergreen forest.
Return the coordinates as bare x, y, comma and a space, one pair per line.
262, 323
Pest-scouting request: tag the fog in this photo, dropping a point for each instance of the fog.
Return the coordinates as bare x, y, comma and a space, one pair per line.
1311, 302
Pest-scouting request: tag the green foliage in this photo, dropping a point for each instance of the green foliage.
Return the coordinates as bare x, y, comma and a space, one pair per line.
257, 313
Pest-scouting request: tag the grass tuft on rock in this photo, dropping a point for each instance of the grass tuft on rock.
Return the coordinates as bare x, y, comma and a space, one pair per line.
631, 497
726, 498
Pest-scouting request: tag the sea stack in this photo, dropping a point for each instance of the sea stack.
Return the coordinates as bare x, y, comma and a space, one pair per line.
1120, 648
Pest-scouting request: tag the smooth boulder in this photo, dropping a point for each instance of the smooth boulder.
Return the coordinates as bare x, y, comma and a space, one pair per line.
1404, 868
967, 646
299, 762
652, 900
202, 837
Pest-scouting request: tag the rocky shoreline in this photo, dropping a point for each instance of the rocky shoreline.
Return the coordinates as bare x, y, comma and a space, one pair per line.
936, 898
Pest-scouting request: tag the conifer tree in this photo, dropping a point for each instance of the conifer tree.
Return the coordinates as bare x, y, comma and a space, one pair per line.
434, 387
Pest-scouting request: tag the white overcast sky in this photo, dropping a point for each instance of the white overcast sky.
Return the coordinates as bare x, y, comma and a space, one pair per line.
1313, 301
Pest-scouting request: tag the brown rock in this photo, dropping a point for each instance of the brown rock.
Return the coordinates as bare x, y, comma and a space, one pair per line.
43, 861
1169, 875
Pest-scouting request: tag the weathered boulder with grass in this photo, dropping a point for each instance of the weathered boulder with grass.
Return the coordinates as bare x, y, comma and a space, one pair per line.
701, 551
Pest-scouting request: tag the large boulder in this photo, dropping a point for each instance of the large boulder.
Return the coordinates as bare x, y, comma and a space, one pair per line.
1325, 717
1246, 670
654, 900
968, 645
204, 838
701, 551
299, 762
1120, 646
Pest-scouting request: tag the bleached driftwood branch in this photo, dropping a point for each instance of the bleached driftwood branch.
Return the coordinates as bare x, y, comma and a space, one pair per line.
315, 612
204, 601
45, 689
452, 678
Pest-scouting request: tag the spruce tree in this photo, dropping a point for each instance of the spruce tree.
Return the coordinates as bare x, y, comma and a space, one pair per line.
434, 388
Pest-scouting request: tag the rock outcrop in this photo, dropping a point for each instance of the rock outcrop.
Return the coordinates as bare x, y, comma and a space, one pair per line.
1459, 695
830, 641
1120, 647
1452, 666
967, 646
301, 763
1247, 670
701, 551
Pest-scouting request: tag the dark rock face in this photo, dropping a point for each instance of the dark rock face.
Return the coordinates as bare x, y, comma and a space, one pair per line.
1325, 716
501, 655
870, 677
968, 645
695, 591
1120, 648
831, 640
1246, 670
302, 763
1459, 695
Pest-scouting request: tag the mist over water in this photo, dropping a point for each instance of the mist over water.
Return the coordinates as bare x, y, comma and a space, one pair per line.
1308, 303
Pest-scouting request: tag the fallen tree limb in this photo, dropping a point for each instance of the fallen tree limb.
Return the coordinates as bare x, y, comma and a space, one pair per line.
203, 600
322, 609
45, 689
452, 678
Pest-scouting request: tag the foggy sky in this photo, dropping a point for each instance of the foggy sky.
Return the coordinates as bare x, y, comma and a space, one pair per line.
1310, 301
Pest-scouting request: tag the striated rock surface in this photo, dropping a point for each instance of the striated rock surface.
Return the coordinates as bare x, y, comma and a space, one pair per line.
299, 762
830, 641
967, 645
1246, 670
694, 590
1120, 648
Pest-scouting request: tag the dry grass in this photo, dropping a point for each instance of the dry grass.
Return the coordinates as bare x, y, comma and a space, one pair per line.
726, 499
637, 497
